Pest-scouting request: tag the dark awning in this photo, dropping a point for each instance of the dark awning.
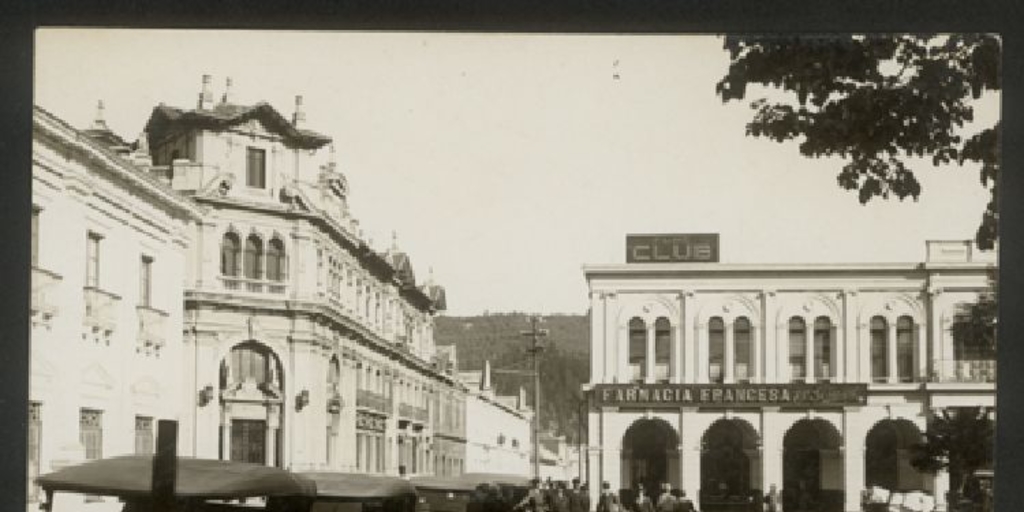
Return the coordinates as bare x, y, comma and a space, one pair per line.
497, 479
358, 486
131, 476
436, 483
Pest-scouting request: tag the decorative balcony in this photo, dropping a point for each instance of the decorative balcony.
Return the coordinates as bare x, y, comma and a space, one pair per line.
253, 285
373, 401
43, 284
965, 371
100, 309
152, 328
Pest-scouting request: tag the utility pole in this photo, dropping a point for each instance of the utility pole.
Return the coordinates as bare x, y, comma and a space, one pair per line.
535, 334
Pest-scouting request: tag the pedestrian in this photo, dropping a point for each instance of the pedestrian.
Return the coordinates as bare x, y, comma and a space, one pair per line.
574, 496
683, 504
666, 502
584, 498
771, 499
607, 499
534, 499
643, 502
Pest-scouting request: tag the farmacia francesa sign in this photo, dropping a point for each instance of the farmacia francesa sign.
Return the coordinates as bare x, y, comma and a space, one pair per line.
729, 395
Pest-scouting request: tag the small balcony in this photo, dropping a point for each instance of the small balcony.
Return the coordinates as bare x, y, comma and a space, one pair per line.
152, 328
245, 284
100, 309
373, 401
43, 284
964, 371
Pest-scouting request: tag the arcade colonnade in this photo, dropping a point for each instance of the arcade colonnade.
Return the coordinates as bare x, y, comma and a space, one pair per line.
721, 456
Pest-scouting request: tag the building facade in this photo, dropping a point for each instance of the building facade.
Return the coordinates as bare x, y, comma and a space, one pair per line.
727, 380
108, 265
498, 428
304, 346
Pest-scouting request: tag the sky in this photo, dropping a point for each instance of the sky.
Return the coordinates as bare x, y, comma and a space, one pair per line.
506, 162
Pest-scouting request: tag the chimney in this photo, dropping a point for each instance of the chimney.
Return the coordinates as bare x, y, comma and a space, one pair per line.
99, 123
206, 95
299, 118
485, 380
522, 398
227, 98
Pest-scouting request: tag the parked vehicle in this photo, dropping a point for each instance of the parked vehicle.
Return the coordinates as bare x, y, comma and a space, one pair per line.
352, 492
201, 485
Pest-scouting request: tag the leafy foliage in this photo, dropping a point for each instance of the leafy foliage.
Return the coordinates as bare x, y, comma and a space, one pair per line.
873, 101
564, 363
976, 322
960, 440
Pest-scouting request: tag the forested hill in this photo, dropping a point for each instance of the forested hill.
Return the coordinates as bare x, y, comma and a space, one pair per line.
564, 363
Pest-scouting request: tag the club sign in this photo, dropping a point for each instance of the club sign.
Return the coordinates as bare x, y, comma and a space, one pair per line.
729, 395
694, 248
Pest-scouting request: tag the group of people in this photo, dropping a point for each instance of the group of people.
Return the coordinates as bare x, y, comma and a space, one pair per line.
669, 500
548, 496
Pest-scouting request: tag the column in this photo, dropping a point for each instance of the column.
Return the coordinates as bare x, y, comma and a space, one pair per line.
756, 371
848, 342
597, 337
702, 351
687, 342
809, 349
771, 452
689, 453
770, 328
891, 367
594, 456
611, 455
679, 341
853, 458
610, 338
649, 354
271, 445
730, 356
225, 433
920, 355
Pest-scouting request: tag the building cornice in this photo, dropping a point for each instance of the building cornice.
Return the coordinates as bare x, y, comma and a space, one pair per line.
60, 132
742, 270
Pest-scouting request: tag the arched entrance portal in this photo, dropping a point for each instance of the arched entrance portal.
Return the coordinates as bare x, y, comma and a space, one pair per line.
650, 455
251, 401
812, 467
729, 464
887, 456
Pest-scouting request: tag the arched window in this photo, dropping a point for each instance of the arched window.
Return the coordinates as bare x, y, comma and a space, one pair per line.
742, 349
229, 251
905, 348
879, 348
662, 348
716, 349
823, 366
250, 362
637, 350
253, 258
276, 266
797, 349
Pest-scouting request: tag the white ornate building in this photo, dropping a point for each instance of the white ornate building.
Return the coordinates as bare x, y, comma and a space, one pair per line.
108, 266
727, 379
305, 347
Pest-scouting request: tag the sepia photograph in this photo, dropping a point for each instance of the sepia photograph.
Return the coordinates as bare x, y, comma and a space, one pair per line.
425, 271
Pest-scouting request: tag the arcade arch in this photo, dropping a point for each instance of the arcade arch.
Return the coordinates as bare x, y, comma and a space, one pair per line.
812, 467
887, 455
730, 466
650, 455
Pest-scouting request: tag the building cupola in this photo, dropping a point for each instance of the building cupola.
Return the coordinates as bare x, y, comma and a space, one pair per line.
206, 94
299, 118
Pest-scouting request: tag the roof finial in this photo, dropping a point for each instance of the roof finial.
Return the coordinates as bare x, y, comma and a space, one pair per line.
100, 123
205, 94
394, 240
299, 118
485, 382
227, 97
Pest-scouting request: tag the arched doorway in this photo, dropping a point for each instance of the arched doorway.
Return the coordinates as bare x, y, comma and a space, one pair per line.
650, 455
812, 467
729, 464
252, 396
887, 455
